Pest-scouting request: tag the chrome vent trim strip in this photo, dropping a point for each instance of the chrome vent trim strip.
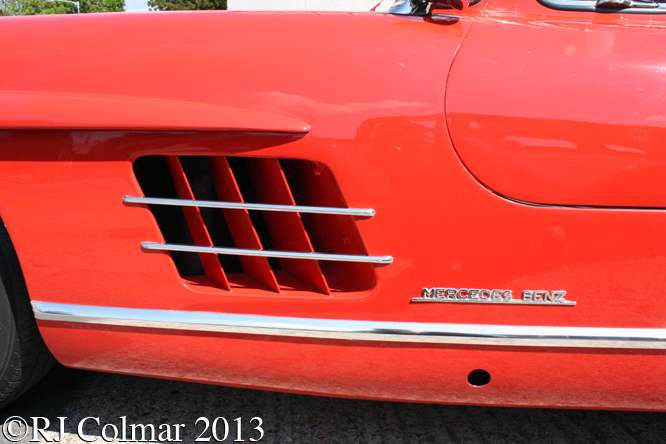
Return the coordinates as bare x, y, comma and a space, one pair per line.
358, 212
411, 332
268, 253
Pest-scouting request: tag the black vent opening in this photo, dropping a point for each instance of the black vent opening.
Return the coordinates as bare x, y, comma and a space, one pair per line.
155, 181
244, 182
270, 182
200, 181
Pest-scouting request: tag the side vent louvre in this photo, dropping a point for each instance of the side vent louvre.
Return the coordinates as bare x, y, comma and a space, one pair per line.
262, 223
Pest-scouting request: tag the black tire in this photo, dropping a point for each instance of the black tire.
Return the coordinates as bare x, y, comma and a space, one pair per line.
24, 358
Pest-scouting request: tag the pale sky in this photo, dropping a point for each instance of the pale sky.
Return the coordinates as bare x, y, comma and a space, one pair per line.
136, 5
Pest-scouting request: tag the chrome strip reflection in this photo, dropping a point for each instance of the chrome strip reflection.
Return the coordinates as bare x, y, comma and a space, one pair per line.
358, 212
268, 253
411, 332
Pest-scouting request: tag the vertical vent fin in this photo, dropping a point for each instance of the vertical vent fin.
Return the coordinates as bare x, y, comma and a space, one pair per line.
241, 227
286, 229
313, 184
210, 262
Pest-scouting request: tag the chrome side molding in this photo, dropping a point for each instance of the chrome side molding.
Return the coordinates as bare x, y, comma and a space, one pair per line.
358, 212
409, 332
268, 253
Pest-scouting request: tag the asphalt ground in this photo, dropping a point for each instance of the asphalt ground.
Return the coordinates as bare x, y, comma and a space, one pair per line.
287, 418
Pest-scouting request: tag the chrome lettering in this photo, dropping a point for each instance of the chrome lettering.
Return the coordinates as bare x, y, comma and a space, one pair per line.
494, 296
559, 295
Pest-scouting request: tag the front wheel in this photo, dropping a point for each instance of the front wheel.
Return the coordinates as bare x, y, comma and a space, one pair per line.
24, 358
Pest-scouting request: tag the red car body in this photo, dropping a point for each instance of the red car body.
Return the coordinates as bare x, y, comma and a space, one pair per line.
509, 147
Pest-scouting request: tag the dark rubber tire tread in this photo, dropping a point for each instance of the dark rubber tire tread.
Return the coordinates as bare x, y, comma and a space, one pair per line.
24, 358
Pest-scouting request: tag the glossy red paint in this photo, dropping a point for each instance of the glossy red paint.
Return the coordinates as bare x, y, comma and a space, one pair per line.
559, 107
58, 110
372, 89
395, 372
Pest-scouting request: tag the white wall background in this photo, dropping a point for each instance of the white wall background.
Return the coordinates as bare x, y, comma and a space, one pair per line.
303, 5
